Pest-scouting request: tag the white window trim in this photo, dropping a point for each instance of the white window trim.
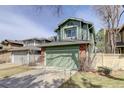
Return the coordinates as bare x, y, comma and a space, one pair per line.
68, 28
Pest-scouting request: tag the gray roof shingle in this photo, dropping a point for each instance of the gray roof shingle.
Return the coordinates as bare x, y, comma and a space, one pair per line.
65, 43
25, 48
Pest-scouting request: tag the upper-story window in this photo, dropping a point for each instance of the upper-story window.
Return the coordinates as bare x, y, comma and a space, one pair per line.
118, 37
70, 32
70, 23
84, 32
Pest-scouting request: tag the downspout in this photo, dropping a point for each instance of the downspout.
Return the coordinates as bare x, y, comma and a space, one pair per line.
80, 30
34, 42
28, 56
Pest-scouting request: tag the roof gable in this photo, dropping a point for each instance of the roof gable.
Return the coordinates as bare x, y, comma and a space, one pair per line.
72, 19
11, 42
37, 39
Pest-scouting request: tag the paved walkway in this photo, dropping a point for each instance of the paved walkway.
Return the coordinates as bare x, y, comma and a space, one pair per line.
36, 79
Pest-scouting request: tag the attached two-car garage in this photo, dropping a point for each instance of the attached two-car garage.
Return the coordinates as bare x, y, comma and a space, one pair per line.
65, 55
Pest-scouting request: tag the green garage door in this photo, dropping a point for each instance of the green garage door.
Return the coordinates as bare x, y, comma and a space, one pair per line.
62, 57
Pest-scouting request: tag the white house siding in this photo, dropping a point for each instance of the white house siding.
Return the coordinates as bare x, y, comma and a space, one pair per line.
5, 56
38, 58
34, 58
20, 57
24, 57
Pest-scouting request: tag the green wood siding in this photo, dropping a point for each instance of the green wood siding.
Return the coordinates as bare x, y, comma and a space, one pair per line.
85, 31
81, 28
63, 57
69, 24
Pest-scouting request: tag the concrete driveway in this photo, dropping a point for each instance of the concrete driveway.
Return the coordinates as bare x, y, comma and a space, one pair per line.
38, 78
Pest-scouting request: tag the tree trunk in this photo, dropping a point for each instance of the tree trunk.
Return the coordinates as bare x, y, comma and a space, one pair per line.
112, 41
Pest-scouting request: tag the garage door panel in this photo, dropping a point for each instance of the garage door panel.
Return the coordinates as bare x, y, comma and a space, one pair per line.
55, 60
20, 57
52, 62
71, 65
59, 62
66, 59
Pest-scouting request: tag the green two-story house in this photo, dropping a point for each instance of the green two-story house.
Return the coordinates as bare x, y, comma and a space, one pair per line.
75, 40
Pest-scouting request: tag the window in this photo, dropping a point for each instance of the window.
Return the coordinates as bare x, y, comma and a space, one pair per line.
70, 24
118, 37
70, 32
84, 32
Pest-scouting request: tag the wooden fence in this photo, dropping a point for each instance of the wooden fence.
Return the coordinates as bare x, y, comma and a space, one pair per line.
114, 61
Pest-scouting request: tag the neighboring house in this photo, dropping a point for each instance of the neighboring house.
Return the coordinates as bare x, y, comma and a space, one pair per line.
30, 53
8, 44
75, 39
21, 51
25, 55
5, 56
53, 38
5, 53
35, 41
120, 41
1, 46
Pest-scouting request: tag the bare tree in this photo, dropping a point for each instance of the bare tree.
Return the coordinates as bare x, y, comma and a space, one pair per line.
111, 15
57, 10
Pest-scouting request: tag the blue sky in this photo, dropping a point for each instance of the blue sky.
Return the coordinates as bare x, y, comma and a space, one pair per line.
21, 22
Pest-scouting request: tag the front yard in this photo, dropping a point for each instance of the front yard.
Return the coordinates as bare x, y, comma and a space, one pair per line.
48, 78
94, 80
12, 70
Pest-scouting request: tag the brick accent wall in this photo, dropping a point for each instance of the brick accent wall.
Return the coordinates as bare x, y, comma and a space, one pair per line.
43, 56
82, 55
82, 50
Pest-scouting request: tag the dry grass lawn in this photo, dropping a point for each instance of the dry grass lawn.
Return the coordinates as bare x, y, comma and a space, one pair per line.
7, 72
94, 80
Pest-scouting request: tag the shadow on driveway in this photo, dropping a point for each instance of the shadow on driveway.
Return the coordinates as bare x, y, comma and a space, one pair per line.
30, 81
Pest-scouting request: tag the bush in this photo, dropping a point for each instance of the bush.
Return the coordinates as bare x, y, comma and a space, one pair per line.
104, 70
